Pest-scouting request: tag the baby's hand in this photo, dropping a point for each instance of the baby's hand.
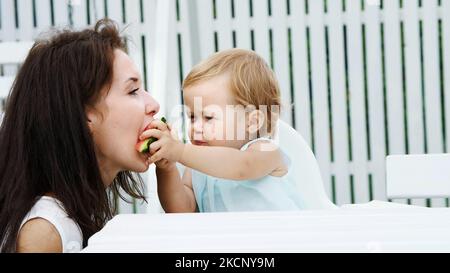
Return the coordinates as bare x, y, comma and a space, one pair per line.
167, 149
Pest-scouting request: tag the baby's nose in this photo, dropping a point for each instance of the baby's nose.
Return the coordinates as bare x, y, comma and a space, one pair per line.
198, 126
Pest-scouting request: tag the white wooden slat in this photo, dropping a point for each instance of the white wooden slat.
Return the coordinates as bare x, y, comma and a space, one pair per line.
432, 79
132, 14
375, 98
413, 82
79, 13
187, 31
153, 206
97, 8
357, 102
188, 34
61, 12
14, 52
115, 11
43, 15
223, 23
165, 60
261, 29
281, 57
338, 103
124, 207
9, 32
320, 93
242, 24
446, 75
300, 71
25, 20
446, 53
393, 77
395, 113
140, 206
431, 10
135, 49
413, 77
432, 83
189, 58
205, 28
148, 27
5, 86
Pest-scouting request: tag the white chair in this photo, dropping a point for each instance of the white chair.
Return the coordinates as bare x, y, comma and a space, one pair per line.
309, 180
12, 53
418, 176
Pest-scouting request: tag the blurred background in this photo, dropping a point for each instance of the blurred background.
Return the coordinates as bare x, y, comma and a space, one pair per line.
360, 79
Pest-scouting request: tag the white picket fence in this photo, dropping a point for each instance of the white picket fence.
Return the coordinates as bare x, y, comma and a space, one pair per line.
359, 79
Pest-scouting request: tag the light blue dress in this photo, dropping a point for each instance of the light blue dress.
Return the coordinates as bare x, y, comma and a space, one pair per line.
265, 194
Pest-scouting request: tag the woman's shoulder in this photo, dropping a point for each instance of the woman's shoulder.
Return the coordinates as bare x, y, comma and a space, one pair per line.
39, 235
48, 221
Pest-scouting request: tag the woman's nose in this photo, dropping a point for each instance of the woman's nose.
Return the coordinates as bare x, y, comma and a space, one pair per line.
151, 105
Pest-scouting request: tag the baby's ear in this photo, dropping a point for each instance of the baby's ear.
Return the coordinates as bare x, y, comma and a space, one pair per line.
256, 120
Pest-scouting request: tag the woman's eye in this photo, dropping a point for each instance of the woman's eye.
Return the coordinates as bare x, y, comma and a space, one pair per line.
134, 92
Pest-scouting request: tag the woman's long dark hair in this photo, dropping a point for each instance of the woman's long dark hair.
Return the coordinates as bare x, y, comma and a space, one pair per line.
45, 142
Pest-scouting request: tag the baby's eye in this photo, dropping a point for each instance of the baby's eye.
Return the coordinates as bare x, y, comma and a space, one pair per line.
208, 118
192, 118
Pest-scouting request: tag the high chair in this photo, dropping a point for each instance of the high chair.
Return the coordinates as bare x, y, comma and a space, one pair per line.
309, 181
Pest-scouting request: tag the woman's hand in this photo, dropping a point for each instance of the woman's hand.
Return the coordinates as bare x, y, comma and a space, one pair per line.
167, 149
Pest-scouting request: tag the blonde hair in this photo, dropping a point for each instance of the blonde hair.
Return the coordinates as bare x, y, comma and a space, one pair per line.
252, 82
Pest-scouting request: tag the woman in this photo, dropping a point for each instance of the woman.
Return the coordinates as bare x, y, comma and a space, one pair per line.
67, 140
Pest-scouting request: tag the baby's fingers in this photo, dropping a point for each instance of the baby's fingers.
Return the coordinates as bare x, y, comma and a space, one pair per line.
158, 124
162, 163
157, 156
154, 147
151, 133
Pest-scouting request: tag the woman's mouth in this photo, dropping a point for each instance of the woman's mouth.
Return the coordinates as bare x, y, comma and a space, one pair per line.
141, 131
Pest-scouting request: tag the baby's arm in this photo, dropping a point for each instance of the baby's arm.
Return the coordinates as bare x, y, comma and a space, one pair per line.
260, 159
175, 193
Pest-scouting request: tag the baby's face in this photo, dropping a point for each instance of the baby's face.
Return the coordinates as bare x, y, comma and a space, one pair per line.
215, 117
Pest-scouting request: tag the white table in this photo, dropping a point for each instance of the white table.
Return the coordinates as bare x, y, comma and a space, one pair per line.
348, 229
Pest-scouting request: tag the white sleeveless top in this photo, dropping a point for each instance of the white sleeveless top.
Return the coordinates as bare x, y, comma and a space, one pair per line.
53, 211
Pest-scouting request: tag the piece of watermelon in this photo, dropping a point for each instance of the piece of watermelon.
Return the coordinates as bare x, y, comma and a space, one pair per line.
143, 146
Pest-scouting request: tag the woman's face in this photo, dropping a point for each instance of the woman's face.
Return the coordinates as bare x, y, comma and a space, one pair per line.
118, 119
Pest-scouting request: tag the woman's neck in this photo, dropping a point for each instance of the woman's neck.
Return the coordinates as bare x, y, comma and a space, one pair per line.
107, 171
